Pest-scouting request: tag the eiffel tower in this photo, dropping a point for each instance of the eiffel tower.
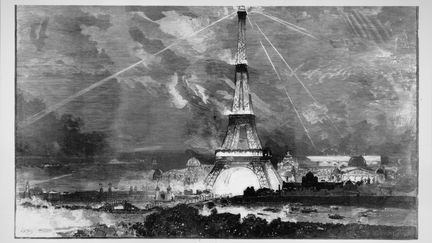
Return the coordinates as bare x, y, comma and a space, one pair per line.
242, 146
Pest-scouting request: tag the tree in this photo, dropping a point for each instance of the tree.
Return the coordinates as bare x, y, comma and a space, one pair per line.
253, 226
309, 180
249, 192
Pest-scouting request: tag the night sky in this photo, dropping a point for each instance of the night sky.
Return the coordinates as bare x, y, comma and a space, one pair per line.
361, 69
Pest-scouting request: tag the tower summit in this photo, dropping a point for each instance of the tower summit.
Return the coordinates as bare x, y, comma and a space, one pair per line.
241, 44
241, 138
242, 101
241, 151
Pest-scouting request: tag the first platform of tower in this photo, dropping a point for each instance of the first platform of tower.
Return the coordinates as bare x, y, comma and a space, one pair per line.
241, 162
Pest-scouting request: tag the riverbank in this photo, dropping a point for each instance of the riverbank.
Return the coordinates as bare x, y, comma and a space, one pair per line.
360, 201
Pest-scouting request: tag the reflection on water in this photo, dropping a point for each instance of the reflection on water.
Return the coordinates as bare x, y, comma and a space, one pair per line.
349, 214
48, 221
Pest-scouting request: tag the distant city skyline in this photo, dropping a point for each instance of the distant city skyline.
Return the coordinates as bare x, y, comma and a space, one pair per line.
213, 122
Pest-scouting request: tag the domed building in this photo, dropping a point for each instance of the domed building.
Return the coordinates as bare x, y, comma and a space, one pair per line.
358, 174
381, 174
157, 174
289, 175
337, 168
157, 193
288, 168
358, 171
357, 161
380, 170
169, 194
193, 163
193, 167
336, 174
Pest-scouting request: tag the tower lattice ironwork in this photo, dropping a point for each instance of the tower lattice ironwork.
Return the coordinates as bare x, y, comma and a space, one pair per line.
242, 146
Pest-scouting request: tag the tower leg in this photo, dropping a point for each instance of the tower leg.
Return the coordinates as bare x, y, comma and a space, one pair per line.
261, 173
260, 168
213, 175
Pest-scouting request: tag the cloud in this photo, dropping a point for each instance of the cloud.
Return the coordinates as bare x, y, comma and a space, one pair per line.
315, 113
226, 56
177, 99
38, 33
181, 26
67, 62
359, 81
170, 62
148, 148
193, 83
156, 13
225, 94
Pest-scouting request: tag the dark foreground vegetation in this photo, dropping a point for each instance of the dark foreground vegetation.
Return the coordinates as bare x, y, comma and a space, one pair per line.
184, 221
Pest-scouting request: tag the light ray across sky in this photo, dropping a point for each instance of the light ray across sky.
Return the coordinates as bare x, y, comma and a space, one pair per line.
296, 76
62, 103
289, 25
298, 115
289, 98
295, 26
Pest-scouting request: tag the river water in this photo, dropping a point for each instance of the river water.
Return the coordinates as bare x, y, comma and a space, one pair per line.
349, 214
